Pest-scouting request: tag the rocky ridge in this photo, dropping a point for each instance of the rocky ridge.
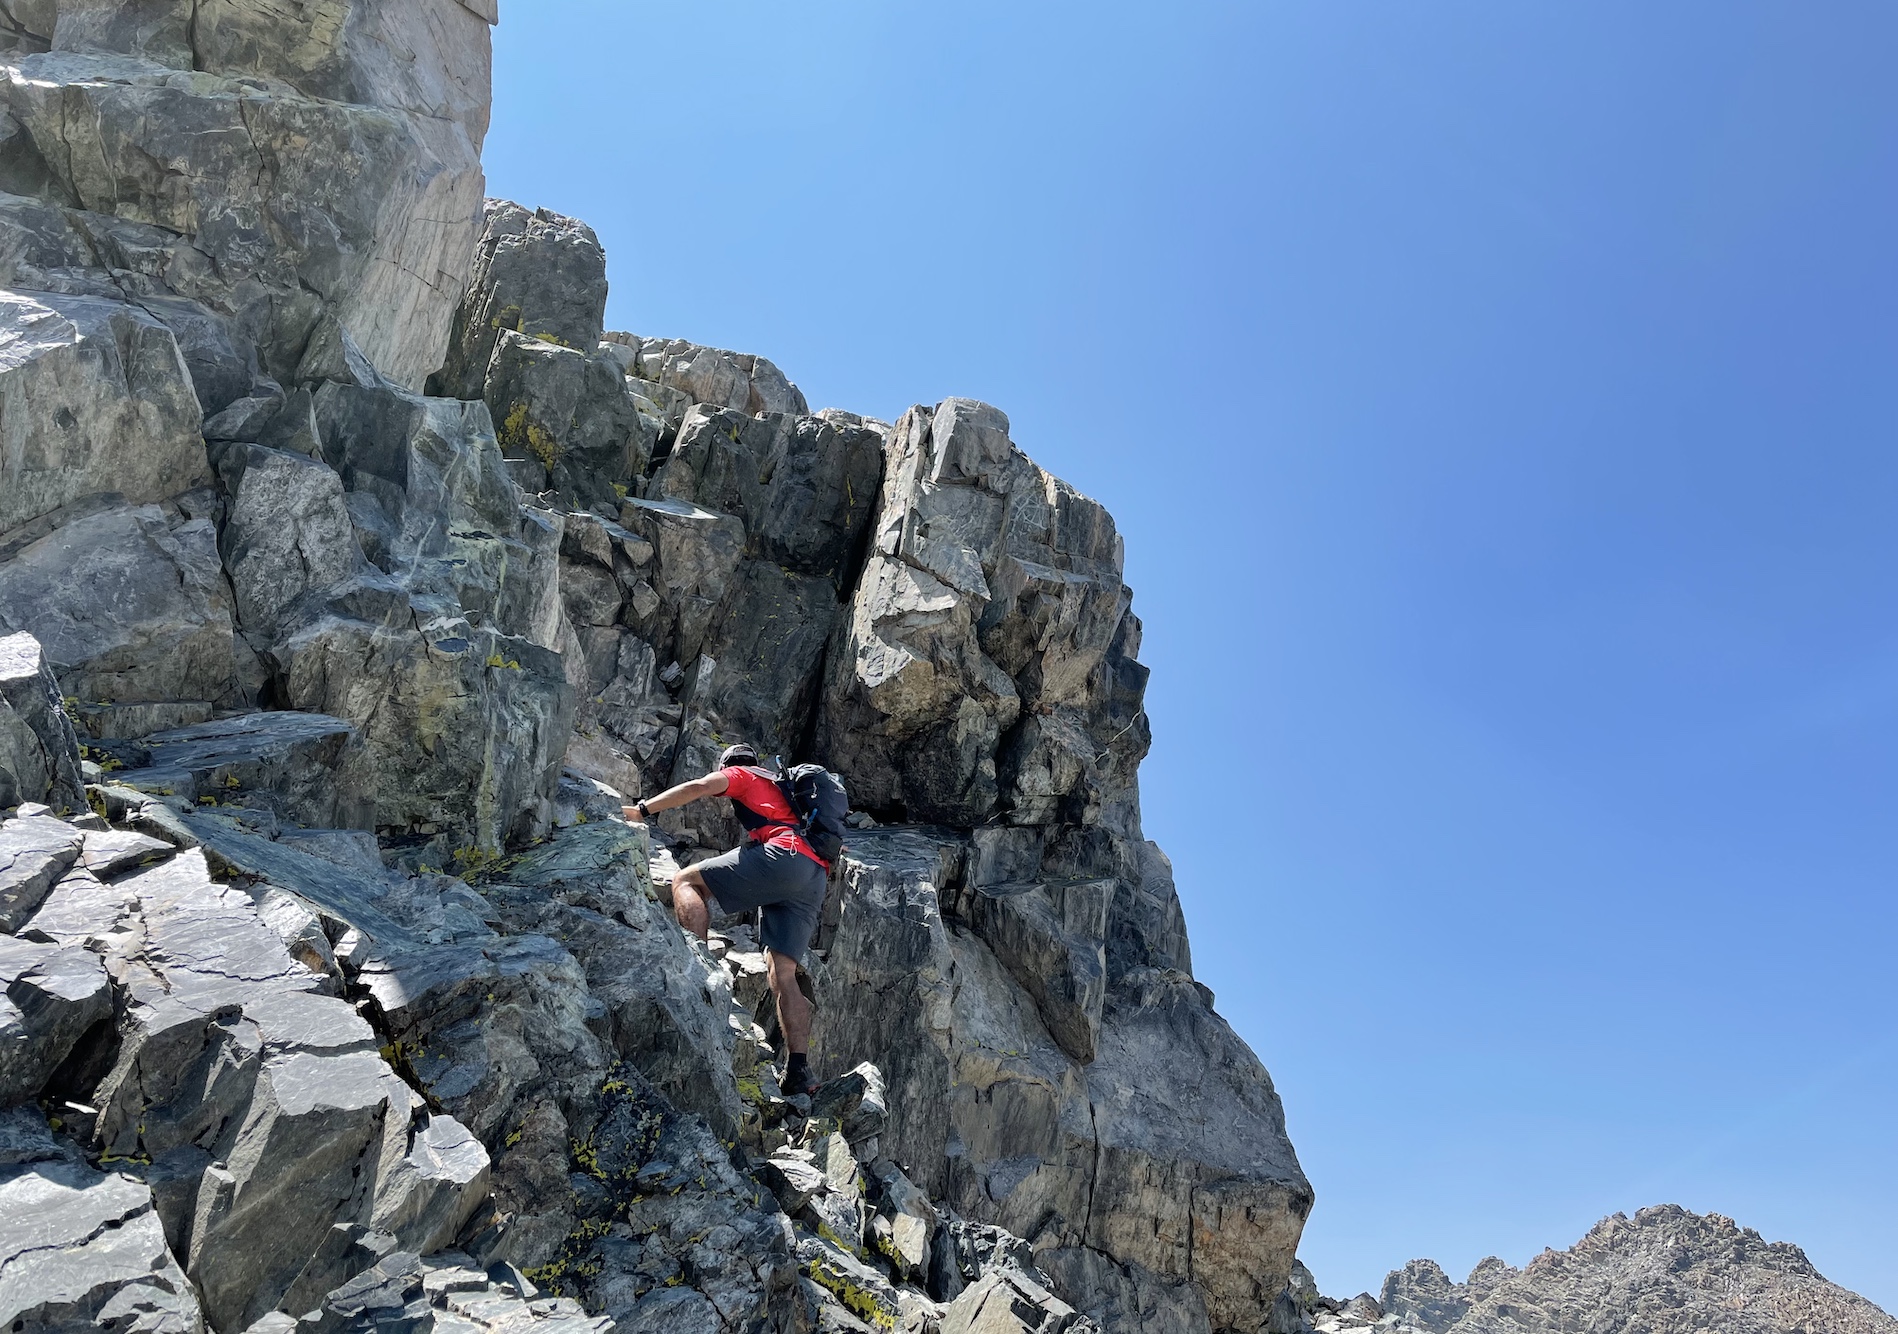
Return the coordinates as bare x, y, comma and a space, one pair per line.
1663, 1271
350, 572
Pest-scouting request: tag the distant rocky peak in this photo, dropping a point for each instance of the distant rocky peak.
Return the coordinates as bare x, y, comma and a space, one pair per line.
1666, 1270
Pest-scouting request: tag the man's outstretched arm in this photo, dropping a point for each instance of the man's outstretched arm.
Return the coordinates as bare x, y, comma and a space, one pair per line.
712, 785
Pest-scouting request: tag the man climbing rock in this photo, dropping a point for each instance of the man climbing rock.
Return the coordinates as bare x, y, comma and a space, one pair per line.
775, 869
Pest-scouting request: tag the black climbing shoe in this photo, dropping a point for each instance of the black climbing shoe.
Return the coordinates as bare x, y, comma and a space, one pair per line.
796, 1081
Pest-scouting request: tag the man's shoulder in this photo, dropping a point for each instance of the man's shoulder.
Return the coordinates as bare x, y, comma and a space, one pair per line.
744, 776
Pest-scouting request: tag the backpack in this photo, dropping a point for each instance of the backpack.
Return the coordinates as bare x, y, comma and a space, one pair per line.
817, 797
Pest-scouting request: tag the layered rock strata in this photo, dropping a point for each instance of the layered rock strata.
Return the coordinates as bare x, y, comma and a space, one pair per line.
351, 573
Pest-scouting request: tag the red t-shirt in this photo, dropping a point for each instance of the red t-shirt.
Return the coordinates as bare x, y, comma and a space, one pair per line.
762, 797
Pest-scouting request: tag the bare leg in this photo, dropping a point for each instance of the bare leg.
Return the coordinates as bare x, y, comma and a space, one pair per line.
794, 1012
688, 902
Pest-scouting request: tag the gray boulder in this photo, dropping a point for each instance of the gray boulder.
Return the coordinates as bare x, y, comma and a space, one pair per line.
535, 273
760, 671
720, 379
27, 24
668, 1234
55, 998
290, 764
134, 614
35, 851
83, 1250
667, 1012
568, 414
448, 1291
1052, 938
286, 533
1007, 1301
992, 597
349, 897
97, 399
699, 552
805, 489
39, 752
430, 631
263, 1108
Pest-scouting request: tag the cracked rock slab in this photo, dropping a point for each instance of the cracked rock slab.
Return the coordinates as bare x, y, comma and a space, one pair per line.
287, 763
111, 852
34, 854
54, 998
80, 1248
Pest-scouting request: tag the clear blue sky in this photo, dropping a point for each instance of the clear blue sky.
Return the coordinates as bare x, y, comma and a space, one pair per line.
1498, 401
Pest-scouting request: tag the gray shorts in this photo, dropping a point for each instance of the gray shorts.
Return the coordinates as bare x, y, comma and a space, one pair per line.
787, 885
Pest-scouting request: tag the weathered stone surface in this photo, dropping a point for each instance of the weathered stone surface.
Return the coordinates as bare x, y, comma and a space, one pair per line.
1664, 1269
1128, 1296
570, 414
667, 1234
792, 1177
39, 752
431, 497
286, 533
1052, 939
535, 273
449, 1292
805, 489
490, 1020
263, 1106
436, 648
713, 376
111, 852
989, 659
699, 552
667, 1010
297, 198
759, 673
81, 1249
904, 1223
1009, 1302
55, 997
34, 853
346, 894
284, 762
1114, 1157
94, 398
462, 728
134, 614
27, 24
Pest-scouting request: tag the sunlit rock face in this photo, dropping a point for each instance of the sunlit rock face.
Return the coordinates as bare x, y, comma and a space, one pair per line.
351, 574
1664, 1269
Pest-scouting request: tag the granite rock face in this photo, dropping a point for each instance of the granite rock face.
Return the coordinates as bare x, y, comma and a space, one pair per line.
39, 751
133, 611
351, 575
78, 376
1664, 1270
241, 173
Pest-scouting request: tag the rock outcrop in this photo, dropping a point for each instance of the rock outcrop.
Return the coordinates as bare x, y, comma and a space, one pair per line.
1663, 1271
351, 575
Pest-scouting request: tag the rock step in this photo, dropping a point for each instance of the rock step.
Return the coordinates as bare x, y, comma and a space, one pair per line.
284, 762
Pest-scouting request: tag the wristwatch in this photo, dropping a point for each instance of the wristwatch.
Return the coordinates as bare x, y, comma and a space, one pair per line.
644, 813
